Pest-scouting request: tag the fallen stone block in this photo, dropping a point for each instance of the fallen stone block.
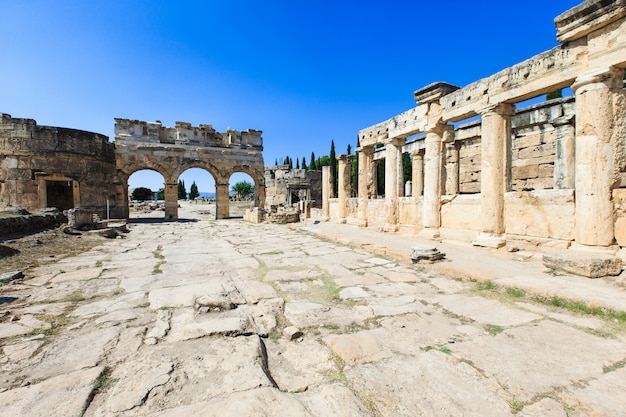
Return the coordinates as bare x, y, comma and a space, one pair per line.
583, 263
10, 276
292, 333
425, 253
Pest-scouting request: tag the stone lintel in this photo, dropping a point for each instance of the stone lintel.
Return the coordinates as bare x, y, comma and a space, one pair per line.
433, 92
374, 134
587, 17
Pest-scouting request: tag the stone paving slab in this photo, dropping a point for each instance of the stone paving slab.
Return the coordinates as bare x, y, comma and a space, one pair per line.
61, 396
256, 325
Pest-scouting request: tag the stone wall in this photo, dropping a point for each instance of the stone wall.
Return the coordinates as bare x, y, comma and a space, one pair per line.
533, 147
34, 157
286, 186
31, 222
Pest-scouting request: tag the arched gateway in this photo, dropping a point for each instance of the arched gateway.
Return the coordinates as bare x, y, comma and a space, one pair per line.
172, 150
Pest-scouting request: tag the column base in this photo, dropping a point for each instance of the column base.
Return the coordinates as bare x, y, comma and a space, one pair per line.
390, 228
361, 223
431, 233
324, 218
490, 240
341, 220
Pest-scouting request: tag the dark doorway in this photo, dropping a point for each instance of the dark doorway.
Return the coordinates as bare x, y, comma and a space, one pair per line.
59, 194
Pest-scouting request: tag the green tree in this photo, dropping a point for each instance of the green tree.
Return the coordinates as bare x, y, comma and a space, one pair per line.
142, 194
297, 164
182, 193
313, 165
161, 194
193, 191
243, 189
304, 163
323, 161
407, 168
554, 94
349, 150
333, 167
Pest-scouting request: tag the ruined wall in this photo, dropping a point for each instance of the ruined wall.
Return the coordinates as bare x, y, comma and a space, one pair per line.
285, 186
172, 150
33, 157
532, 148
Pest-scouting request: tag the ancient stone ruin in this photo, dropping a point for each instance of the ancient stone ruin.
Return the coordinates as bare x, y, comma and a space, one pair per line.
550, 176
45, 166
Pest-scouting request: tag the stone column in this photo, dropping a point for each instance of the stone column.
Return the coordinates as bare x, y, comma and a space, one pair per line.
259, 193
417, 174
452, 169
433, 173
171, 201
222, 200
597, 142
565, 160
373, 174
495, 144
327, 191
345, 165
393, 164
365, 154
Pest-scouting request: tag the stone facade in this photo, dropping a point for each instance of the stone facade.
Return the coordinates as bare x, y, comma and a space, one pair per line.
172, 150
546, 176
43, 166
285, 186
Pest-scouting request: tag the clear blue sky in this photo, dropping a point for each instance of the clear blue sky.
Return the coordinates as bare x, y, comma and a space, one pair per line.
302, 72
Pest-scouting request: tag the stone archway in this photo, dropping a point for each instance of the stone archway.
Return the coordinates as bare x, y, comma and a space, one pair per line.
172, 150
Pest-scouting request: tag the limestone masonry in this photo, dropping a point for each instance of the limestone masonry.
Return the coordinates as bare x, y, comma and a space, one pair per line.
44, 166
551, 176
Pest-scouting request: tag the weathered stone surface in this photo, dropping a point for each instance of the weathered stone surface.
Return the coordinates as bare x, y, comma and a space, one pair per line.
485, 311
362, 347
10, 276
256, 402
62, 396
425, 252
334, 400
604, 394
584, 263
352, 293
131, 390
186, 325
532, 349
428, 384
292, 333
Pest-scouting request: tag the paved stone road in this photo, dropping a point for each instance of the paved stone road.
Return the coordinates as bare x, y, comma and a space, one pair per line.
225, 318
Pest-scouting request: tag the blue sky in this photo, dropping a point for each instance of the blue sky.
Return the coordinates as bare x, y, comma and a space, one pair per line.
302, 72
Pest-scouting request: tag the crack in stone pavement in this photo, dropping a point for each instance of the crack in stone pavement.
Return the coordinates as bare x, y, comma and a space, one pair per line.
246, 319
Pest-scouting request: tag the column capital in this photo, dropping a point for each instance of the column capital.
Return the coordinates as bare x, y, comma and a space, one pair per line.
369, 149
395, 141
612, 76
344, 158
502, 109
